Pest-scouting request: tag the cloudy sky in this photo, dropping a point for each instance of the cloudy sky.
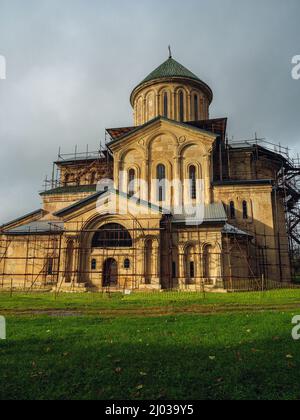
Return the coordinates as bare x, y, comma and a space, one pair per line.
71, 65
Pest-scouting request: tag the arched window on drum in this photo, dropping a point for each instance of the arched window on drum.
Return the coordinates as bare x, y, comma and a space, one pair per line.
166, 105
181, 106
196, 107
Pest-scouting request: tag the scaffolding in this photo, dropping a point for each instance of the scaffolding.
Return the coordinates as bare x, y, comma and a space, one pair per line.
286, 182
153, 262
100, 159
166, 257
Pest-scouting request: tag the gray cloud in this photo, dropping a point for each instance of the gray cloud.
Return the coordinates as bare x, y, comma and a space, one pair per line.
72, 64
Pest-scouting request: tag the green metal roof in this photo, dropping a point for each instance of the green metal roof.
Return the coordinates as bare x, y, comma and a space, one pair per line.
72, 189
212, 213
36, 228
170, 68
38, 212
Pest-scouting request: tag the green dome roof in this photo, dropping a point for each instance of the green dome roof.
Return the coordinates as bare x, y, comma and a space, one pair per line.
170, 68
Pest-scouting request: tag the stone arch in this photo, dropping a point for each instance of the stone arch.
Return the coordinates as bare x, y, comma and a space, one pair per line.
189, 144
153, 186
96, 221
187, 153
152, 139
161, 93
128, 159
211, 255
130, 149
215, 244
164, 88
168, 140
167, 164
198, 166
112, 235
88, 252
181, 87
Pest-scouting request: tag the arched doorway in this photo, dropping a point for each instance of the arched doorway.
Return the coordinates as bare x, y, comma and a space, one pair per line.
110, 273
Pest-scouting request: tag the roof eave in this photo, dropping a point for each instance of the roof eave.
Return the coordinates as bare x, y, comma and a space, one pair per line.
160, 118
20, 219
94, 197
34, 233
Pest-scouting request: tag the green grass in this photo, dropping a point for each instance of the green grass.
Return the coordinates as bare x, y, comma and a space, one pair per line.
227, 355
95, 301
185, 357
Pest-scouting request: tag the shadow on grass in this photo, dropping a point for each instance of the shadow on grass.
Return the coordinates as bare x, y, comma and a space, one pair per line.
167, 358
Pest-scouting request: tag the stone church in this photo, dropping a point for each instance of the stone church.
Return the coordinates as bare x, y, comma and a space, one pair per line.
237, 236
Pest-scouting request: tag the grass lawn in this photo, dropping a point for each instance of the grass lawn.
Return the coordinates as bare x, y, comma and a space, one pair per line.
95, 302
240, 347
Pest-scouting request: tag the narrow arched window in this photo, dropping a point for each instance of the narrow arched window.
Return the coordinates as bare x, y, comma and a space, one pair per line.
181, 106
174, 270
166, 105
232, 210
94, 264
192, 269
192, 179
161, 178
127, 264
196, 108
245, 210
49, 266
131, 182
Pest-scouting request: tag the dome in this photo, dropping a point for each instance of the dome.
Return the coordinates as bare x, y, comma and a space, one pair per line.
170, 68
173, 91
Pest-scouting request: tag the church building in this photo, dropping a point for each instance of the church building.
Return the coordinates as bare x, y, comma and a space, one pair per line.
168, 204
